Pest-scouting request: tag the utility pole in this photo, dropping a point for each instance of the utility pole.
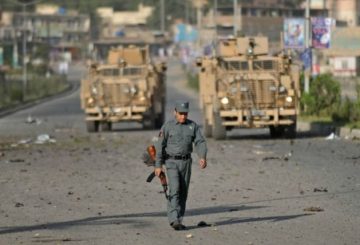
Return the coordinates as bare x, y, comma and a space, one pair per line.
162, 10
186, 12
307, 45
215, 16
235, 17
24, 54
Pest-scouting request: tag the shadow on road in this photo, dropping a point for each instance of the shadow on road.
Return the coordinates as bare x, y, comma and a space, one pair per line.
233, 221
123, 219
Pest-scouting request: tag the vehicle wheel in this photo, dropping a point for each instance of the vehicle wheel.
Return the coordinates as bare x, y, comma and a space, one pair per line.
149, 120
218, 130
276, 131
159, 120
106, 126
207, 129
290, 131
92, 126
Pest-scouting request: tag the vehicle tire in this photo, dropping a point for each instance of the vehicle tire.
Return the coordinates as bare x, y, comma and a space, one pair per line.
218, 130
276, 131
92, 126
207, 129
159, 120
106, 126
290, 131
149, 120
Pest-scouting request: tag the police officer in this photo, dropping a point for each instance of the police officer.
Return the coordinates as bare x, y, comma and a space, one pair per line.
173, 150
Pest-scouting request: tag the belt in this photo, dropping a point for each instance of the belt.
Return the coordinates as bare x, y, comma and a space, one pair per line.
179, 157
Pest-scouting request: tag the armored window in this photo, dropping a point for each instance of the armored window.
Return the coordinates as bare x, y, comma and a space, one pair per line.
132, 71
264, 65
110, 72
238, 65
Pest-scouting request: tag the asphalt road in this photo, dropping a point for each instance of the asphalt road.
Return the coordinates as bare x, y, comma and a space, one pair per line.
85, 188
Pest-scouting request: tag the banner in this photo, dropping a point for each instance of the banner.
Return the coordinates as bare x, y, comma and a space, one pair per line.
185, 33
321, 32
294, 33
306, 58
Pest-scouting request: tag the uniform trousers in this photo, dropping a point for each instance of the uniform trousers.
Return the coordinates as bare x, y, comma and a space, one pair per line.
178, 174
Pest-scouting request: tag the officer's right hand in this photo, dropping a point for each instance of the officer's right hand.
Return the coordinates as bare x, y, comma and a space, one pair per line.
157, 171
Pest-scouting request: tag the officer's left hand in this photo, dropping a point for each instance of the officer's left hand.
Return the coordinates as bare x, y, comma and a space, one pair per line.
202, 163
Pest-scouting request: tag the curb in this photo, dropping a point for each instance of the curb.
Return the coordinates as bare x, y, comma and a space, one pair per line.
73, 86
326, 129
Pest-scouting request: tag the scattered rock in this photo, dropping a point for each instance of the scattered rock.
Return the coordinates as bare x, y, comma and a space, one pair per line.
19, 204
17, 160
271, 158
320, 189
202, 224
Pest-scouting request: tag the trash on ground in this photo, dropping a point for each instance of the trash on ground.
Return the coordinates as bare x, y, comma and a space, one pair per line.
44, 138
189, 235
313, 209
24, 141
262, 152
332, 136
31, 120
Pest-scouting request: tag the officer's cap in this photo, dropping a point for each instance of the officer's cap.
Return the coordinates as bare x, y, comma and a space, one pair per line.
182, 106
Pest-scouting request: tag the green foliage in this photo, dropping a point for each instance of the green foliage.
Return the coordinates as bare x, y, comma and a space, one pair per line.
193, 80
323, 97
11, 92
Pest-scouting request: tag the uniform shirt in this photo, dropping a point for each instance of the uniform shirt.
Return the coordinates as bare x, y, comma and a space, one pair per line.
176, 139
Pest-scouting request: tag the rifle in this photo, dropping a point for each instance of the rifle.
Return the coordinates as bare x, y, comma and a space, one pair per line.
149, 159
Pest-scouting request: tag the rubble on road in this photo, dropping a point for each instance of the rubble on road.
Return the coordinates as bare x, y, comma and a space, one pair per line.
313, 209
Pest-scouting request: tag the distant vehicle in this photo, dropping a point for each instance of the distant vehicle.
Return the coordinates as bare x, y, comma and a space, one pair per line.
244, 86
128, 88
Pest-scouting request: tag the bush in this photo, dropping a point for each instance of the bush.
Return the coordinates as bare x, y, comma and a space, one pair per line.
193, 80
324, 96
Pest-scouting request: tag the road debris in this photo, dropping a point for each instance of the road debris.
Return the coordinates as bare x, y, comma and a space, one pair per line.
313, 209
24, 141
320, 189
203, 224
31, 120
44, 138
189, 235
332, 136
19, 204
17, 160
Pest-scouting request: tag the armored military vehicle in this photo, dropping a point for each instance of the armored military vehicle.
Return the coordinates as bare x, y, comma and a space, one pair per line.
129, 87
244, 86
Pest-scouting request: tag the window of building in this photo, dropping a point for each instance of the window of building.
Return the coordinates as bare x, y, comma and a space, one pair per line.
344, 64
